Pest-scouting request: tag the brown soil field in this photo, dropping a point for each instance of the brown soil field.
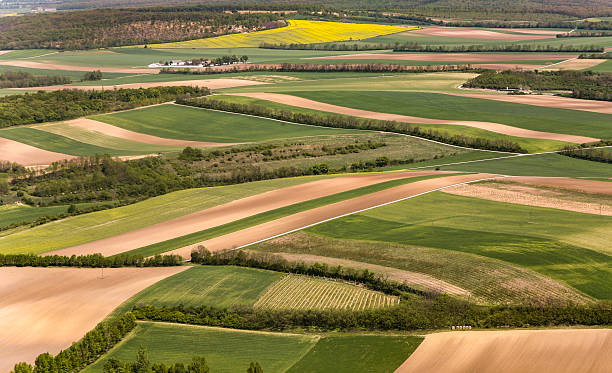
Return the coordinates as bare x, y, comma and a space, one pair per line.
55, 66
576, 64
548, 101
489, 126
209, 83
532, 31
420, 280
317, 215
506, 66
46, 309
458, 32
450, 57
114, 131
581, 185
530, 196
27, 155
513, 351
233, 211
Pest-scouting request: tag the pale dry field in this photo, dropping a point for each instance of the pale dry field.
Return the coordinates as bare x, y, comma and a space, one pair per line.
310, 217
208, 83
46, 309
489, 126
581, 185
232, 211
448, 57
576, 64
457, 32
513, 351
27, 155
56, 66
548, 101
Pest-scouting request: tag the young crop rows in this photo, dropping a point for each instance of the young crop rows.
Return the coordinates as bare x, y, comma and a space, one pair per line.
303, 292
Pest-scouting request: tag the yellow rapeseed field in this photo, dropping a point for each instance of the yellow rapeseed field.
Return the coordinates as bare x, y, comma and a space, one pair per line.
298, 32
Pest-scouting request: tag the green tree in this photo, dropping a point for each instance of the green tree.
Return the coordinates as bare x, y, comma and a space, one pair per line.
143, 365
255, 368
22, 368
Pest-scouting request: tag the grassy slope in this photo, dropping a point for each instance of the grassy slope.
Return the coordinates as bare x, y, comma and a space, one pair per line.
438, 106
181, 122
14, 214
225, 350
201, 285
532, 145
357, 353
604, 67
545, 240
102, 224
60, 144
193, 238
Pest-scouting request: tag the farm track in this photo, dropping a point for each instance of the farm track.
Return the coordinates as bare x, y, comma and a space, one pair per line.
520, 351
233, 211
488, 126
318, 215
54, 307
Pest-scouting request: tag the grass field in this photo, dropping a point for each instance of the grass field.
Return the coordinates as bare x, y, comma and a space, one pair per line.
188, 123
89, 227
61, 144
567, 246
228, 350
531, 145
219, 287
303, 292
298, 32
10, 214
440, 106
604, 67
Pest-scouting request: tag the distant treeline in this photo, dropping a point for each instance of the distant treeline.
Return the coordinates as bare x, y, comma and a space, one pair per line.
603, 155
72, 103
84, 352
596, 56
89, 261
22, 79
416, 47
102, 28
585, 34
583, 84
321, 68
345, 121
279, 264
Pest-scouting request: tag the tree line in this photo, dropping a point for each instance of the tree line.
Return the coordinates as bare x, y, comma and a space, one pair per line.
84, 352
298, 67
22, 79
89, 261
66, 104
583, 84
345, 121
585, 34
603, 155
598, 56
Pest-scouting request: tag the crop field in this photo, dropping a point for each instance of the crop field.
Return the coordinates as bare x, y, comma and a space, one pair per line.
221, 287
604, 67
567, 246
188, 123
439, 106
228, 350
303, 292
10, 214
298, 31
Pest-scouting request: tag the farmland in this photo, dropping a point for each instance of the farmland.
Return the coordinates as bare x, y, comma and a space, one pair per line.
300, 292
298, 31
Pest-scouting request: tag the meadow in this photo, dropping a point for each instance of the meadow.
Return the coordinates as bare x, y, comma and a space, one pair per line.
566, 246
228, 350
298, 31
440, 106
11, 214
187, 123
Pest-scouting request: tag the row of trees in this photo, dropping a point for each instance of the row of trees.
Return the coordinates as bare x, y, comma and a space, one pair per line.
586, 151
72, 103
84, 352
277, 263
295, 67
345, 121
583, 84
89, 261
22, 79
598, 56
585, 34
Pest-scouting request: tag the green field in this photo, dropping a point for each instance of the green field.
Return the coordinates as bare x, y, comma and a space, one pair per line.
531, 145
11, 214
440, 106
228, 350
604, 67
219, 287
567, 246
188, 123
94, 226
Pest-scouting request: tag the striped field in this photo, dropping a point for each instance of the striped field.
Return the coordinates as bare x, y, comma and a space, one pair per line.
303, 292
298, 32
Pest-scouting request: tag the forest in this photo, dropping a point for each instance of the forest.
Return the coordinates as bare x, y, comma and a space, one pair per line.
22, 79
102, 28
66, 104
583, 84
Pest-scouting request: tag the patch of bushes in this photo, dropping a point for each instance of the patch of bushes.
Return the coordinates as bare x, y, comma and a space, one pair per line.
89, 261
595, 155
22, 79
